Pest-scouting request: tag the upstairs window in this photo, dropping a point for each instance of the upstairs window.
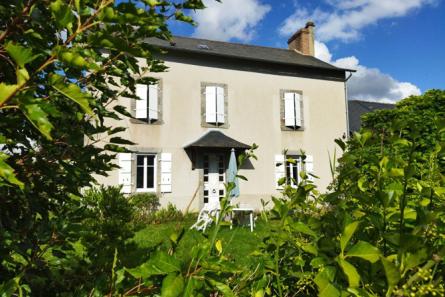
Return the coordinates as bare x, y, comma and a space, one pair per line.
292, 110
147, 107
214, 105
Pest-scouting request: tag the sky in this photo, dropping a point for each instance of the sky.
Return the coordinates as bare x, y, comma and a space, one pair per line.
396, 46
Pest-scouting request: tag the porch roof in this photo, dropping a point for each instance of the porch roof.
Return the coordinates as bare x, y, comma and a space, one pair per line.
217, 140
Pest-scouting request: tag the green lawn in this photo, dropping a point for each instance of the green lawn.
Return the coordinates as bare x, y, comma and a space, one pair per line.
238, 243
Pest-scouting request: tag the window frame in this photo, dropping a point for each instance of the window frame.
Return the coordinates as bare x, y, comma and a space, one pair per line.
145, 189
283, 112
204, 123
147, 121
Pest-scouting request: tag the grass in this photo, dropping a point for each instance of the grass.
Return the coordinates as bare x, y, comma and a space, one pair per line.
238, 243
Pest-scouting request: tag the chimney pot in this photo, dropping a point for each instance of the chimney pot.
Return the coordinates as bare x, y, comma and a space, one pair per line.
303, 40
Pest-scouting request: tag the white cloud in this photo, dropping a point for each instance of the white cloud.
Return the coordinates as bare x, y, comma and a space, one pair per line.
231, 19
368, 83
347, 18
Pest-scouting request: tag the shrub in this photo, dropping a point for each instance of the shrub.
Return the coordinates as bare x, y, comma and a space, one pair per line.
168, 214
108, 212
144, 205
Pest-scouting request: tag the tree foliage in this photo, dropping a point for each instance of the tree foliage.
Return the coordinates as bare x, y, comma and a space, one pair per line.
63, 64
379, 230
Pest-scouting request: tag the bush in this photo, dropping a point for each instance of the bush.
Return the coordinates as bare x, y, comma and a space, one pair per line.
144, 206
168, 214
108, 212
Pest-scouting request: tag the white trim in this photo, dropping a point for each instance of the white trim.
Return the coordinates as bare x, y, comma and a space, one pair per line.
144, 175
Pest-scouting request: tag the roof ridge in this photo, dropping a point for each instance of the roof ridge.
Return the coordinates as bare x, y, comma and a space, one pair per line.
239, 43
366, 101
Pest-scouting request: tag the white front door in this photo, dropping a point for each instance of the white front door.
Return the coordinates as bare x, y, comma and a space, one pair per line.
214, 178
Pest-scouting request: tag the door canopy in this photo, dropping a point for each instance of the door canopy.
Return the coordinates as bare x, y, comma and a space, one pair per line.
217, 140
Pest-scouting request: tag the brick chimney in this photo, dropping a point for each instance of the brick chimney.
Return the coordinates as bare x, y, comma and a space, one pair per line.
303, 40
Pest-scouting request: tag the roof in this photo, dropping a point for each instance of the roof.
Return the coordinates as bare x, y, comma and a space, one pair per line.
241, 51
357, 108
217, 139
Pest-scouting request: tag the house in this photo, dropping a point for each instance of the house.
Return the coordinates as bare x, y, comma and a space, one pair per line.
218, 96
357, 108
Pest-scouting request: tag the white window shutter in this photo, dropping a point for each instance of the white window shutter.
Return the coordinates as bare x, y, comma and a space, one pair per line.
125, 162
298, 121
166, 173
210, 104
153, 98
309, 166
220, 104
289, 109
141, 104
280, 170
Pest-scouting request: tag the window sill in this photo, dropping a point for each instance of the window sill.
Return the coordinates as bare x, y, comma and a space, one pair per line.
142, 122
145, 190
210, 125
285, 128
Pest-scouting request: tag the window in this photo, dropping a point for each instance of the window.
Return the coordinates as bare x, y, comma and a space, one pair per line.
291, 110
147, 107
214, 105
289, 167
145, 173
293, 165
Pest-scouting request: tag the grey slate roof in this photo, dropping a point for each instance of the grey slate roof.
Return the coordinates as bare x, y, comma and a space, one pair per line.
241, 51
217, 140
357, 108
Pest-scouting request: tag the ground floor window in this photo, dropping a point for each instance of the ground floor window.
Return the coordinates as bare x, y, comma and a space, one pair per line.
145, 172
292, 170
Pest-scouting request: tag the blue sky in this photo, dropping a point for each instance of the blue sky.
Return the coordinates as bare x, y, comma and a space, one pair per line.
397, 46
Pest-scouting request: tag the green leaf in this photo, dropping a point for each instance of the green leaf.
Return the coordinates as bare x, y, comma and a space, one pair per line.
20, 54
122, 110
391, 272
364, 250
73, 92
7, 172
397, 172
347, 234
223, 288
350, 271
301, 227
309, 248
63, 14
360, 183
318, 262
160, 264
341, 144
6, 91
281, 181
172, 285
325, 287
413, 260
116, 130
241, 177
119, 140
22, 76
37, 117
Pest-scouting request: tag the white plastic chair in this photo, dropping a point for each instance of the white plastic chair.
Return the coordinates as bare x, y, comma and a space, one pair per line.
206, 216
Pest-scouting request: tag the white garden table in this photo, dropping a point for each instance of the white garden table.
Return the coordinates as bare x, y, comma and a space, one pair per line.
245, 210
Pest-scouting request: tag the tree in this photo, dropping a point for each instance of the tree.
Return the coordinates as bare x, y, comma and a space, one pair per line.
379, 230
62, 64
